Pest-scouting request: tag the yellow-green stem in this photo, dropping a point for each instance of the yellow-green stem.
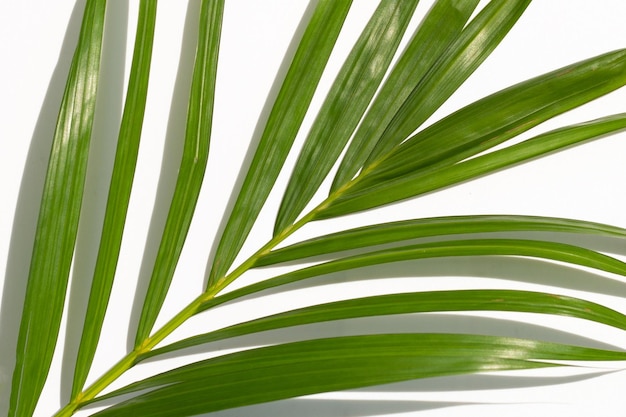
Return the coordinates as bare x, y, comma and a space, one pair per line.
249, 263
191, 309
130, 359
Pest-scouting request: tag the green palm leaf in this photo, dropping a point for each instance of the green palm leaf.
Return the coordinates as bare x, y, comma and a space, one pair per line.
119, 193
421, 302
475, 247
302, 368
381, 234
192, 166
58, 218
439, 28
347, 100
281, 128
505, 114
374, 113
471, 48
445, 172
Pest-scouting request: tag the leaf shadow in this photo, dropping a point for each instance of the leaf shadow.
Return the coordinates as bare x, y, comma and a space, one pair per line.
27, 206
313, 407
172, 154
309, 407
258, 130
517, 269
373, 407
606, 244
101, 158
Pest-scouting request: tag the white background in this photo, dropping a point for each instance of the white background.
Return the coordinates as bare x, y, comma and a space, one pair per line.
36, 43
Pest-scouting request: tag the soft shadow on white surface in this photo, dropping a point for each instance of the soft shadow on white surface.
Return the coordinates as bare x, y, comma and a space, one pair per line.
523, 270
27, 207
478, 382
101, 157
304, 407
322, 407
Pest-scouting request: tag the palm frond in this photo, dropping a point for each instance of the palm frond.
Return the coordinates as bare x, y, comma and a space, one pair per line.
377, 137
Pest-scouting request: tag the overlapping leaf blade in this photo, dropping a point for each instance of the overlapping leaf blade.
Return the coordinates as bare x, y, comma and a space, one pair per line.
396, 232
477, 41
439, 28
470, 49
421, 302
281, 128
309, 367
119, 192
437, 61
192, 167
346, 102
58, 218
445, 173
504, 114
474, 247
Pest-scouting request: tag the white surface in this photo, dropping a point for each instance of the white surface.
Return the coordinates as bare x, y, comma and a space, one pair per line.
585, 182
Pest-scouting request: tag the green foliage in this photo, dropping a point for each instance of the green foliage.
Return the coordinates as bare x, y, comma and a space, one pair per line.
58, 218
371, 128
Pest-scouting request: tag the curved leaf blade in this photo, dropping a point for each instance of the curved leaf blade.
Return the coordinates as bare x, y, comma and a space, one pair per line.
481, 36
58, 218
504, 115
407, 303
444, 174
476, 247
439, 28
309, 367
344, 105
380, 234
281, 128
119, 193
192, 167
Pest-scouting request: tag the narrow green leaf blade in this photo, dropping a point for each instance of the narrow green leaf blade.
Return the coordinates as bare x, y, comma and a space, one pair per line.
192, 167
504, 115
446, 173
57, 225
393, 232
474, 247
420, 302
439, 28
314, 366
477, 41
346, 102
281, 128
119, 193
